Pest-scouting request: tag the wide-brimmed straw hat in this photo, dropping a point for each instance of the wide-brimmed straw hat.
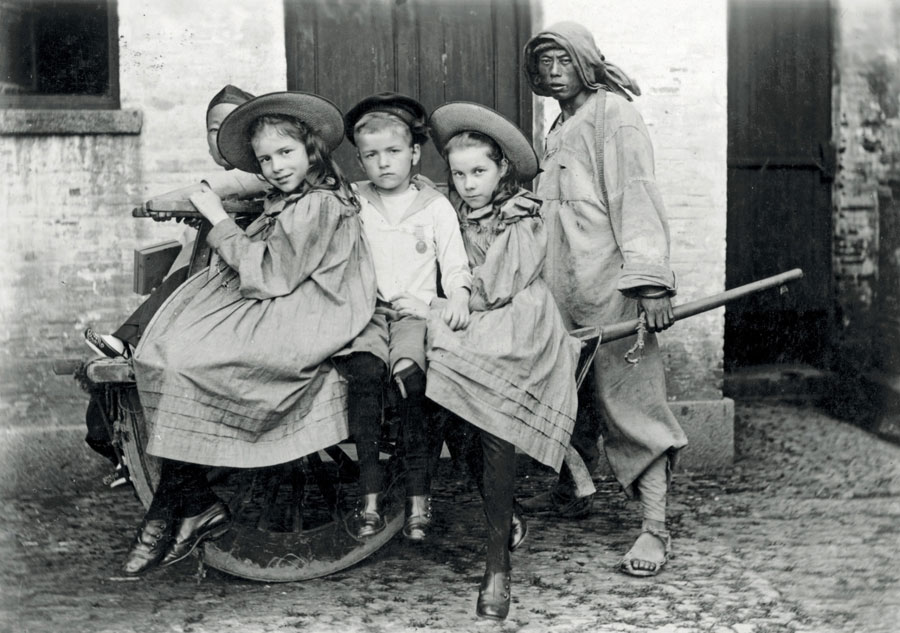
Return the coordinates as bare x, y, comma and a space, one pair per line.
452, 118
405, 108
320, 114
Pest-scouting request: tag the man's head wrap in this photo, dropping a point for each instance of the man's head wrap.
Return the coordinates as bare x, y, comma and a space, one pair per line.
229, 94
595, 72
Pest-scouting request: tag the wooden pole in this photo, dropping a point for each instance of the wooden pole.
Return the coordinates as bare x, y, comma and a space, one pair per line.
617, 331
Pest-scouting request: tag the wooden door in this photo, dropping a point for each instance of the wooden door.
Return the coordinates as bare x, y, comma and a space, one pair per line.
432, 50
780, 172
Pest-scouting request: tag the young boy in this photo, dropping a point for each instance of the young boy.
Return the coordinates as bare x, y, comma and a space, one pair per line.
411, 228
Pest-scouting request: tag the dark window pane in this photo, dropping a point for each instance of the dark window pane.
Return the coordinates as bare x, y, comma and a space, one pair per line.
16, 48
58, 54
72, 44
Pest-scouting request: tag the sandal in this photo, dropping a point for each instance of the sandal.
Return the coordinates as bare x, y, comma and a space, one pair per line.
626, 566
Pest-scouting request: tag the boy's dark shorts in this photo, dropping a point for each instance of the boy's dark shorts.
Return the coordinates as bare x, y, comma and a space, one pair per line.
405, 338
391, 337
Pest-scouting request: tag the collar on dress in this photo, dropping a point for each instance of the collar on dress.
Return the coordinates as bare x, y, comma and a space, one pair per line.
523, 204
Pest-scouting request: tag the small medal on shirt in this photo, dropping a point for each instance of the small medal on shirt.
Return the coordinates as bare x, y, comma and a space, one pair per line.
420, 236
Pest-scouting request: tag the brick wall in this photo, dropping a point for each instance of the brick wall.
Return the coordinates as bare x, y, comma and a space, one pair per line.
679, 59
65, 260
867, 186
65, 200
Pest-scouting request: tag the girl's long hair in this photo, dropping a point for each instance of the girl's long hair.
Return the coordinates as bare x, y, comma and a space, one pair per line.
509, 184
323, 172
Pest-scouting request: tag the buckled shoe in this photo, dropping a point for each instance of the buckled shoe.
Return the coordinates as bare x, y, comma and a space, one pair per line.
494, 595
150, 544
191, 531
416, 526
370, 524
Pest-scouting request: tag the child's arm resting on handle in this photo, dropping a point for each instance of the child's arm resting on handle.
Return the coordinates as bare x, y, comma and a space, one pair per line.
299, 240
240, 184
210, 205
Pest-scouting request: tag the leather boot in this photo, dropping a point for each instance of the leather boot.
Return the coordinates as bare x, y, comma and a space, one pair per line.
149, 545
551, 502
418, 518
370, 516
494, 595
191, 531
518, 529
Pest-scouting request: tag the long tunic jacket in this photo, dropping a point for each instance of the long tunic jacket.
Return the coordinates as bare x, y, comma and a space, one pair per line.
607, 236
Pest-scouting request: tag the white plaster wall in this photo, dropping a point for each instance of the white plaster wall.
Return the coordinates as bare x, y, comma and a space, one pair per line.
677, 53
175, 55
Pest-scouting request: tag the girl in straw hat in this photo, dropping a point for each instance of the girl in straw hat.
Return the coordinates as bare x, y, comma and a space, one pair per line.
511, 372
233, 370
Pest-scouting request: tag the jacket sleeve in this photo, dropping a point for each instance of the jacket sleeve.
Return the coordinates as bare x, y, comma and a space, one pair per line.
294, 250
451, 254
636, 209
513, 261
234, 182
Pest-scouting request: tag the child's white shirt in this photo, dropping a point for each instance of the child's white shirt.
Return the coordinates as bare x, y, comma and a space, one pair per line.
409, 235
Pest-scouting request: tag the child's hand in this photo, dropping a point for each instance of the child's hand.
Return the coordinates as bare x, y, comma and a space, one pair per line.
456, 312
210, 205
409, 305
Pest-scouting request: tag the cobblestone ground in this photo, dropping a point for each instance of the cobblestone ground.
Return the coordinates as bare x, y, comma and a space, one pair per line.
801, 535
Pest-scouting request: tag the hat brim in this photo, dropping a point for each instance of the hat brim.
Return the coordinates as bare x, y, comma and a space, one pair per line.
452, 118
318, 113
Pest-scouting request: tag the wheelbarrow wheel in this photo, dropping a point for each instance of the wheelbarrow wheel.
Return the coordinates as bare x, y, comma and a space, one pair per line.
292, 522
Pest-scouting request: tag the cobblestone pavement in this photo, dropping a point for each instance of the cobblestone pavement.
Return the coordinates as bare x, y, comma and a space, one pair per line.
801, 535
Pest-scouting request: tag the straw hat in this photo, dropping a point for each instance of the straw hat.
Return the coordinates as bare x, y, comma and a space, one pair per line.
405, 108
452, 118
320, 114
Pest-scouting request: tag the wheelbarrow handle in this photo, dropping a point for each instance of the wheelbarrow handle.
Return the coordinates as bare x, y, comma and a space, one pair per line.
185, 208
617, 331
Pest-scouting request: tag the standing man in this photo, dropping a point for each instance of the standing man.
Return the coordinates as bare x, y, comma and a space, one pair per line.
608, 261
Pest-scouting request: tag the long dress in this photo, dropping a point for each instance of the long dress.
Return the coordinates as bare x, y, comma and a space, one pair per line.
511, 372
234, 368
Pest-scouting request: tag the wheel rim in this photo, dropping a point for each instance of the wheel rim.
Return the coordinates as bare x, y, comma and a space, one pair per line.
292, 522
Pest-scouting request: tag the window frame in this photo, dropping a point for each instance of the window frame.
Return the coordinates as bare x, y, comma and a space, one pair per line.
108, 101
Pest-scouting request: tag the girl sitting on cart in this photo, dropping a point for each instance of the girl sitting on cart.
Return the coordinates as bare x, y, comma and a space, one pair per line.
234, 368
511, 372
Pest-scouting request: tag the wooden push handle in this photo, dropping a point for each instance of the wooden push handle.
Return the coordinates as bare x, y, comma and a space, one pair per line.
617, 331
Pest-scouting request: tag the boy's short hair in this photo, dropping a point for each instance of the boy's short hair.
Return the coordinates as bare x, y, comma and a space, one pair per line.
373, 122
403, 109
